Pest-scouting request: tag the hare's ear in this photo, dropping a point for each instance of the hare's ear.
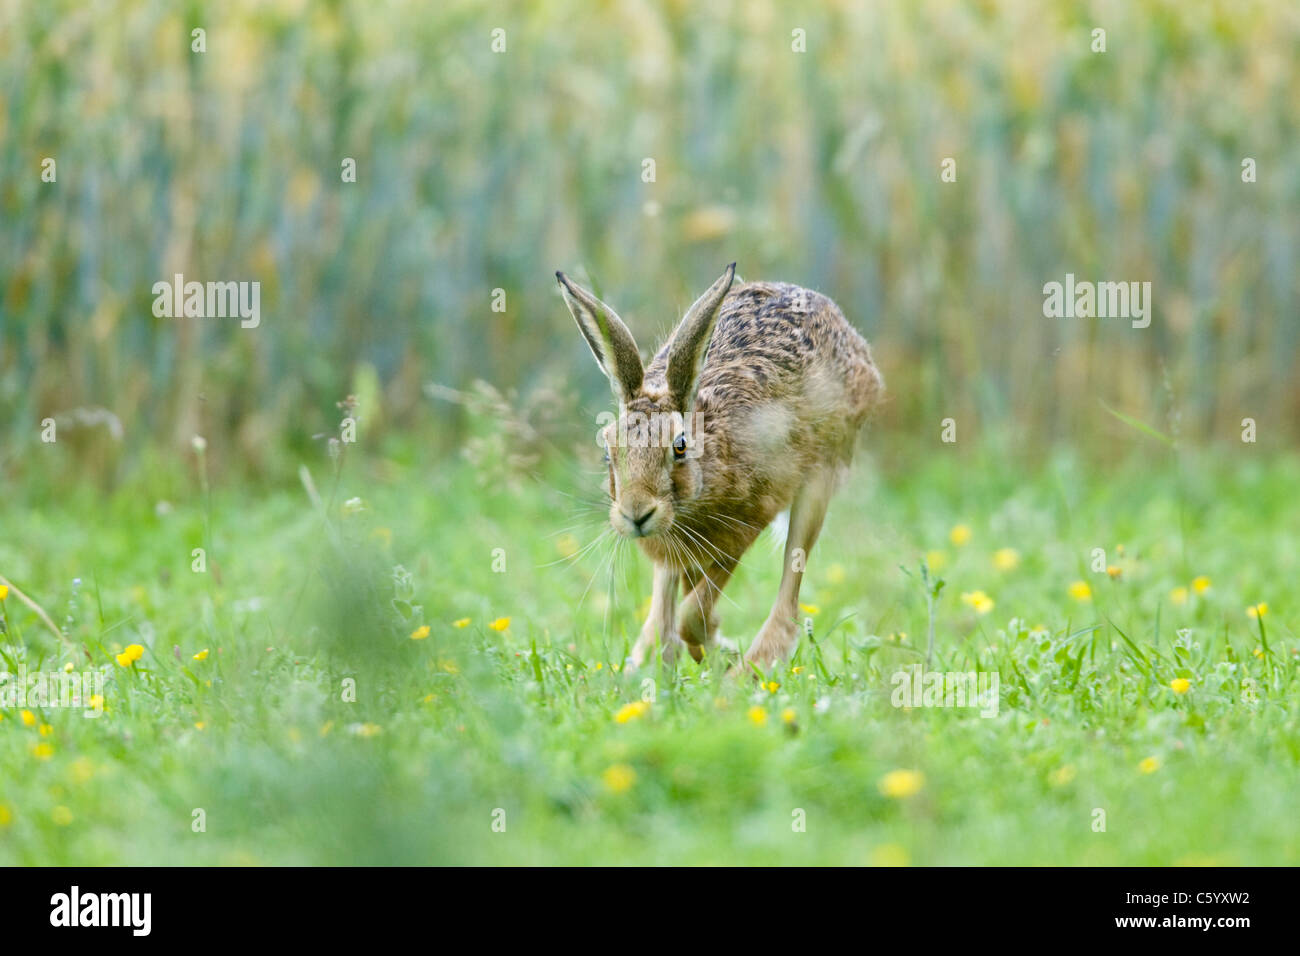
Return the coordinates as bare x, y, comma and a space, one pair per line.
609, 338
690, 342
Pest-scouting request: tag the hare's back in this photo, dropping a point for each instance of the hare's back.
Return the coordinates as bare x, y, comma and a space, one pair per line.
778, 341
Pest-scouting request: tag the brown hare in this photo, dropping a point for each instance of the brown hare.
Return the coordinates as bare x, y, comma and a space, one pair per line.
751, 408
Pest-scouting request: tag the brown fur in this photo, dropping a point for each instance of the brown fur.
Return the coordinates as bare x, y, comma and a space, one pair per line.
781, 384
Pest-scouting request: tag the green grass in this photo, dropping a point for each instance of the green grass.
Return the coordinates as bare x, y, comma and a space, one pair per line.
446, 730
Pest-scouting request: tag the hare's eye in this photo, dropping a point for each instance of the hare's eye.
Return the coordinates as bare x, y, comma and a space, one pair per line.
679, 447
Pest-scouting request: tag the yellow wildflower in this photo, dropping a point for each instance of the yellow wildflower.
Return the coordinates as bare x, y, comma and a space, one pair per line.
201, 655
757, 715
810, 608
29, 719
1150, 765
461, 622
500, 624
420, 633
1180, 685
1200, 584
789, 715
1062, 775
978, 600
959, 535
1258, 610
619, 778
889, 854
1178, 595
130, 655
902, 783
1080, 591
631, 711
1006, 559
935, 560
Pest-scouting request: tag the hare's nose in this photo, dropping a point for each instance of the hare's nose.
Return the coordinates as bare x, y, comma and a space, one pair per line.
645, 516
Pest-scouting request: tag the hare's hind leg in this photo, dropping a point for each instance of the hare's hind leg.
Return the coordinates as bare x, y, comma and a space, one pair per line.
660, 623
777, 636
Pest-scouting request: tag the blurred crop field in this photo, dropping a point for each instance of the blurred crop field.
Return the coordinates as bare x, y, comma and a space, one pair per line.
408, 648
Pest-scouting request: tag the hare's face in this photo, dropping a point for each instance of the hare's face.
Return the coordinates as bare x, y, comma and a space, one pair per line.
654, 458
653, 461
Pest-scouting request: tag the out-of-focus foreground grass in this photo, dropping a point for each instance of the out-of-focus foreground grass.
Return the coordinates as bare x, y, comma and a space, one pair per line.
371, 680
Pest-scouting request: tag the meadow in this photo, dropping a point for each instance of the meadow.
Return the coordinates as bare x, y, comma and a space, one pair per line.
491, 723
409, 648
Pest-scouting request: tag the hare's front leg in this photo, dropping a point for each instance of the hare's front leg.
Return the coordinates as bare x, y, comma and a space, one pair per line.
660, 624
777, 636
697, 624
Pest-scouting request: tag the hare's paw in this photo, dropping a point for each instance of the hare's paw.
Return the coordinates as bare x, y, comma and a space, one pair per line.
774, 642
643, 650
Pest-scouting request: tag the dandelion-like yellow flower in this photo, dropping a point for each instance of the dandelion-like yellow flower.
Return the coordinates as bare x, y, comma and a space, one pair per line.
42, 751
810, 608
889, 854
936, 560
199, 724
96, 701
1180, 685
6, 815
201, 655
460, 623
835, 574
900, 784
29, 719
1006, 559
1200, 584
1259, 652
1258, 610
789, 715
1113, 571
772, 686
1149, 765
1062, 775
420, 633
45, 730
757, 715
631, 711
500, 624
131, 654
1080, 591
619, 778
1178, 595
959, 535
978, 600
4, 591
